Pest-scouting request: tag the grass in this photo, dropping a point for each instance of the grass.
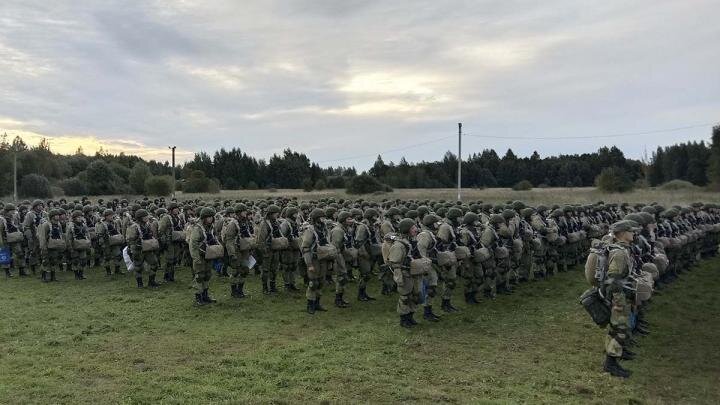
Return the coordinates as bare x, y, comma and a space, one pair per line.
104, 341
579, 195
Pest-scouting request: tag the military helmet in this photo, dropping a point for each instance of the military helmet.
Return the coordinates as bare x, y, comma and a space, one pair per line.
229, 210
160, 211
141, 213
392, 211
356, 213
624, 226
343, 215
470, 218
497, 219
413, 214
9, 207
454, 213
35, 203
207, 212
648, 218
508, 213
87, 209
527, 212
108, 212
330, 212
273, 209
430, 219
370, 213
290, 211
54, 212
240, 207
556, 213
172, 206
635, 217
316, 214
76, 213
405, 225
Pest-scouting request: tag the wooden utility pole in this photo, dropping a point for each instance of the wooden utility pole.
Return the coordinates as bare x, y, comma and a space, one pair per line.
459, 183
15, 193
173, 169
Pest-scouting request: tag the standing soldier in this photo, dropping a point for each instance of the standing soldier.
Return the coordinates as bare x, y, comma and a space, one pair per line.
318, 255
368, 245
387, 229
110, 242
204, 249
143, 247
237, 248
79, 244
290, 257
620, 264
469, 236
171, 232
268, 230
408, 284
341, 238
426, 247
52, 244
447, 261
91, 220
13, 238
30, 224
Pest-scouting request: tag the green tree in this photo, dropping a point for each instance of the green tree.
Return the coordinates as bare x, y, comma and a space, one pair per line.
138, 176
713, 170
34, 185
100, 178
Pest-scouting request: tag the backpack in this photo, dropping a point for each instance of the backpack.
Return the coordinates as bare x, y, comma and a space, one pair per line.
596, 264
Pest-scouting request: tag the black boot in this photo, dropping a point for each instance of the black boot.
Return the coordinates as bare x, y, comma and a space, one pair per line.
8, 274
273, 287
319, 307
172, 276
44, 277
311, 307
108, 272
404, 322
199, 301
166, 276
641, 331
266, 290
627, 355
340, 302
428, 314
77, 274
470, 298
240, 292
385, 290
82, 275
152, 283
447, 306
291, 288
139, 282
33, 270
23, 273
411, 319
613, 367
363, 296
52, 275
207, 298
117, 270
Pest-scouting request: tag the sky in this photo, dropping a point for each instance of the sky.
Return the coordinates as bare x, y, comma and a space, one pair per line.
343, 80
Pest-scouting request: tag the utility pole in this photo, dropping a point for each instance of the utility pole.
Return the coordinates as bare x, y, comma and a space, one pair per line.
173, 169
15, 194
459, 160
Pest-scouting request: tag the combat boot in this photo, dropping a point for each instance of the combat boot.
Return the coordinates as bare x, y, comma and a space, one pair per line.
641, 331
411, 319
273, 287
428, 314
117, 270
233, 290
81, 275
404, 322
363, 296
52, 275
199, 301
240, 292
340, 302
108, 272
8, 274
319, 307
22, 272
613, 367
470, 298
139, 282
265, 288
311, 307
151, 282
385, 290
627, 355
33, 269
44, 277
166, 276
447, 306
206, 296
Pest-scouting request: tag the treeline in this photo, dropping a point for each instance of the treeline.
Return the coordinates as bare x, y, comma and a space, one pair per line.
43, 173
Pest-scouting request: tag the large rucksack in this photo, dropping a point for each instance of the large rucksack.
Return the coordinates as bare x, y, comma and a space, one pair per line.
596, 264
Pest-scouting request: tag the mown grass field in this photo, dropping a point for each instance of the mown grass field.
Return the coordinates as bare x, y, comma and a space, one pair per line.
103, 341
579, 195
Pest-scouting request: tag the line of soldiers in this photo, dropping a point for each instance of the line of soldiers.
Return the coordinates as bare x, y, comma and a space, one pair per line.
420, 249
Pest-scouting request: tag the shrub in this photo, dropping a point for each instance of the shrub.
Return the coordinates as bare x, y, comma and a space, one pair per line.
138, 175
307, 185
199, 183
34, 185
320, 185
336, 182
522, 185
158, 185
100, 178
674, 185
252, 185
73, 187
365, 184
613, 180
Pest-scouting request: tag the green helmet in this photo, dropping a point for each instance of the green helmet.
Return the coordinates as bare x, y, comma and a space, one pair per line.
140, 214
54, 212
370, 213
207, 212
391, 212
290, 211
497, 219
507, 214
316, 214
342, 216
430, 219
273, 209
9, 207
330, 212
470, 218
413, 214
405, 225
36, 203
454, 213
76, 214
108, 212
240, 207
229, 210
527, 212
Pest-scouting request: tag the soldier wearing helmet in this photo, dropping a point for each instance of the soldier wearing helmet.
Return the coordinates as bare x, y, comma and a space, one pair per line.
171, 234
315, 238
12, 238
387, 229
289, 258
269, 229
446, 243
32, 220
52, 243
408, 284
143, 247
367, 243
427, 248
202, 237
79, 244
110, 242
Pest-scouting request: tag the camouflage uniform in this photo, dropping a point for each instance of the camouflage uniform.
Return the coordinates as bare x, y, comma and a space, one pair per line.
367, 243
30, 224
341, 238
315, 234
9, 225
201, 236
268, 229
79, 245
52, 258
408, 285
290, 257
108, 249
142, 261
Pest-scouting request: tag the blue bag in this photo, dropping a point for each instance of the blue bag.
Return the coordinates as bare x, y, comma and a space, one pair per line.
5, 256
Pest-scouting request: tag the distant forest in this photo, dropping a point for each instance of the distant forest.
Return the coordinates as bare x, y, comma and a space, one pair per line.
104, 173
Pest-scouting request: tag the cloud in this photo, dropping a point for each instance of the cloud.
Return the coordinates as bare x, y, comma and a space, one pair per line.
326, 76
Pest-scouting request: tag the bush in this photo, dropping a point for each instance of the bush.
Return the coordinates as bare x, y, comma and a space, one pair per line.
73, 187
34, 185
336, 182
365, 184
138, 176
522, 185
199, 183
100, 178
158, 185
613, 180
674, 185
307, 185
252, 185
320, 185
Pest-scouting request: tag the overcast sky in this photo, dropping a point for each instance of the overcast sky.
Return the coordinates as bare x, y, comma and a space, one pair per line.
343, 79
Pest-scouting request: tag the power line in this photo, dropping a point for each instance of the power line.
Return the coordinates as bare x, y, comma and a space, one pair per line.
656, 131
385, 151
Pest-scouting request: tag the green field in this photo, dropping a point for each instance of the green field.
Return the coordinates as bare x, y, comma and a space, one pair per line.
104, 341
